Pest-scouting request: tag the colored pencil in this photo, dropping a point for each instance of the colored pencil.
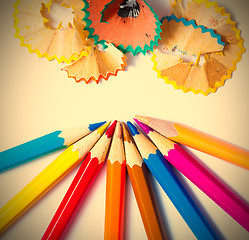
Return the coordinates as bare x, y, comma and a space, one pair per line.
201, 177
42, 145
115, 188
45, 180
142, 188
85, 176
172, 186
199, 140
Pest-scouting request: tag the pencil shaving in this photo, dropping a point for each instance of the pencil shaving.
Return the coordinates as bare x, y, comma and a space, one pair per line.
217, 67
40, 29
132, 33
98, 64
193, 40
188, 37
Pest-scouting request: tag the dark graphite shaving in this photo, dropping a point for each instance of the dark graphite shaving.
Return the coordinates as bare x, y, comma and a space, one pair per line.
129, 8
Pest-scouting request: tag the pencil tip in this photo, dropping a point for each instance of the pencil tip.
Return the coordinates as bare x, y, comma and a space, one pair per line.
103, 128
94, 126
110, 130
142, 119
126, 134
143, 126
132, 128
118, 130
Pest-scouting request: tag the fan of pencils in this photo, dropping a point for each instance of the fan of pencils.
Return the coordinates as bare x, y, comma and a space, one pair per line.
153, 147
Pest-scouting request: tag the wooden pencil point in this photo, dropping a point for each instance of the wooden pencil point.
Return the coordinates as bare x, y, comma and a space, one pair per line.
111, 129
103, 128
126, 134
143, 119
118, 130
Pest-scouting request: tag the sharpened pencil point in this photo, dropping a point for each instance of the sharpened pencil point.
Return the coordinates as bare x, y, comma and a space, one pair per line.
142, 119
94, 126
132, 128
143, 126
102, 128
118, 130
110, 130
126, 134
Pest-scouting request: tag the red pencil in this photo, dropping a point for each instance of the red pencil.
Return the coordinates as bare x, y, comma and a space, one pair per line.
77, 190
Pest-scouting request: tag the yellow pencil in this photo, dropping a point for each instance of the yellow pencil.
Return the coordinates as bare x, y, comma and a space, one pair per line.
44, 181
198, 140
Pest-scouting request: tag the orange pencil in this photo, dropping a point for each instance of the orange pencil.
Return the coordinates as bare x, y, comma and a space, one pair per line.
115, 187
142, 188
198, 140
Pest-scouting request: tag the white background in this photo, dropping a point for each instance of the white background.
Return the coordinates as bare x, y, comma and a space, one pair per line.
38, 98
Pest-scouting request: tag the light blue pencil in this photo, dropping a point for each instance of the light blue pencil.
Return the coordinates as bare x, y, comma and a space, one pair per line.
43, 145
172, 186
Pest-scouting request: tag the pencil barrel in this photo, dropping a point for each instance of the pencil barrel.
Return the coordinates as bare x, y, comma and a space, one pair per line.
146, 203
39, 186
30, 150
85, 176
211, 145
210, 185
179, 196
115, 196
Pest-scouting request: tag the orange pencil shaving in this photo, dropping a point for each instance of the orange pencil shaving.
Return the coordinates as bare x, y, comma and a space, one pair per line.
199, 140
115, 188
142, 188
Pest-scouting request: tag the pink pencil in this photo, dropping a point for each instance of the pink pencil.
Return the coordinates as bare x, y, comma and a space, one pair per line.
200, 176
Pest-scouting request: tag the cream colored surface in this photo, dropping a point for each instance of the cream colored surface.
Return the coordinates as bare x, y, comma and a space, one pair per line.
37, 98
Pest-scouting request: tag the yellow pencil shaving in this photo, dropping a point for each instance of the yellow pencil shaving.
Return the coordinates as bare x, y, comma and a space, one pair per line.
64, 5
190, 64
60, 25
198, 59
220, 53
207, 57
47, 5
174, 3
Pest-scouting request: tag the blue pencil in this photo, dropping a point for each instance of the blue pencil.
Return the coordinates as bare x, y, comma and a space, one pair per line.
43, 145
172, 186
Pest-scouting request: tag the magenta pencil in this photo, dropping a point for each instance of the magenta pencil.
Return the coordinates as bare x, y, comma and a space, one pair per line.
201, 177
